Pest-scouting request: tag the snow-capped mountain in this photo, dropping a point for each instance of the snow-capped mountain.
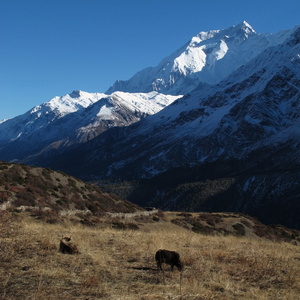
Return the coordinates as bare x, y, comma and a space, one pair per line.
46, 113
209, 57
246, 129
240, 121
255, 107
74, 118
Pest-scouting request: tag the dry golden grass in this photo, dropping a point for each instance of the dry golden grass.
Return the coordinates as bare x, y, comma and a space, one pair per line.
119, 264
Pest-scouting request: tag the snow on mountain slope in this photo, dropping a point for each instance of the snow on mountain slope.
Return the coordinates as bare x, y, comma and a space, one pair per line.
208, 57
173, 132
118, 110
46, 113
247, 113
74, 118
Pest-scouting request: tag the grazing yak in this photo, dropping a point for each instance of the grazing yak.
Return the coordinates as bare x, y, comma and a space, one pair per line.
168, 257
67, 247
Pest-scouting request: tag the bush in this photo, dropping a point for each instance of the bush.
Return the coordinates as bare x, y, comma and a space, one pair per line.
25, 198
119, 225
46, 174
240, 229
199, 228
4, 196
49, 216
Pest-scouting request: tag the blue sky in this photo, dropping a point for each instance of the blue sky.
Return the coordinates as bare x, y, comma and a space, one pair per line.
49, 48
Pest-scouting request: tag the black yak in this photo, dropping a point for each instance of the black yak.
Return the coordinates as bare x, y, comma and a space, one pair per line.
67, 247
168, 257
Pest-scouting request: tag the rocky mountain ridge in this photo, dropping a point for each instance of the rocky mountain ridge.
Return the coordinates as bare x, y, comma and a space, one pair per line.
254, 108
72, 119
208, 57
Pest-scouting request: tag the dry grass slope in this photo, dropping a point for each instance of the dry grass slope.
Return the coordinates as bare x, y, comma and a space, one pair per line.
49, 193
119, 264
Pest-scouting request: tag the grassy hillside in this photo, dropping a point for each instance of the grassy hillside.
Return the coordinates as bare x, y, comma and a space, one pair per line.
118, 263
226, 256
48, 193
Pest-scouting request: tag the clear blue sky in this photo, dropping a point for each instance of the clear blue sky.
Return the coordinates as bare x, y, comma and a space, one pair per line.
51, 47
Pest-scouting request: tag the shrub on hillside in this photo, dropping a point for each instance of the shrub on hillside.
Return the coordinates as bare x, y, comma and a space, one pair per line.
199, 228
47, 174
4, 196
239, 229
24, 198
49, 216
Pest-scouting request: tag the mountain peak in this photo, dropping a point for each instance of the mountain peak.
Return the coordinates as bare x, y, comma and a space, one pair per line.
208, 58
243, 29
75, 94
245, 26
